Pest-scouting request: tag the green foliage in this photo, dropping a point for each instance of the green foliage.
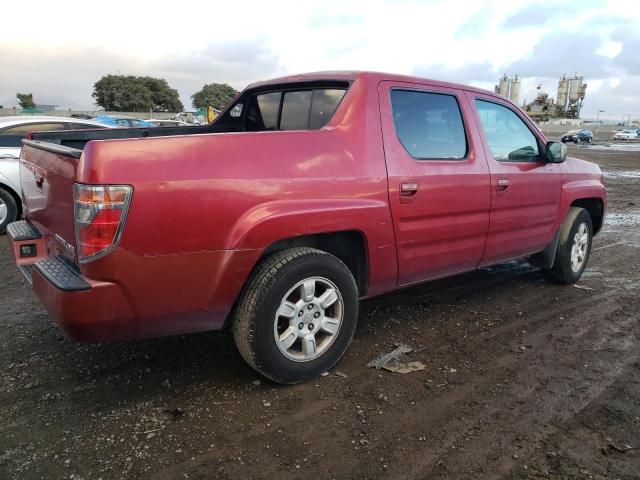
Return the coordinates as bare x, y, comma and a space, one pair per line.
26, 100
218, 95
126, 93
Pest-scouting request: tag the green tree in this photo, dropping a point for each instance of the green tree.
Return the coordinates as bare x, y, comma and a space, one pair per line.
127, 93
163, 96
26, 100
218, 95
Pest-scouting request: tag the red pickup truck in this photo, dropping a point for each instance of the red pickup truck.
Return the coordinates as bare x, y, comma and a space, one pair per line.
307, 193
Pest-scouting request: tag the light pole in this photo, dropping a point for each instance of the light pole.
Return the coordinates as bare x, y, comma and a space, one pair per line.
598, 121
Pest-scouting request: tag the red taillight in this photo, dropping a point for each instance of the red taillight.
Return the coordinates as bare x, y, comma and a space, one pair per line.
100, 213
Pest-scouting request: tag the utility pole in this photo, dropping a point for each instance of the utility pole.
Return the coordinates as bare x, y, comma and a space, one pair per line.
598, 121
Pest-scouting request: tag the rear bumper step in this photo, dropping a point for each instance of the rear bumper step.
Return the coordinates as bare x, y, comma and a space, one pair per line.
22, 231
61, 274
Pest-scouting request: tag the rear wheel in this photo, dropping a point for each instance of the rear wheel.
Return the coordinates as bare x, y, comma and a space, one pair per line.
297, 315
574, 247
8, 210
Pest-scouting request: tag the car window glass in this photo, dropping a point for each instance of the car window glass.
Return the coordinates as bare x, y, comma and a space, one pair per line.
324, 104
429, 125
12, 136
508, 137
31, 127
296, 108
301, 109
82, 126
262, 113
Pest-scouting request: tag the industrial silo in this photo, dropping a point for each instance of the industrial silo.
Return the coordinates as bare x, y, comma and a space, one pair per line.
514, 92
575, 89
503, 86
563, 91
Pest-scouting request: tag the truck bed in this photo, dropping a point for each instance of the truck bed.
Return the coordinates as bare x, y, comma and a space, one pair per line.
77, 139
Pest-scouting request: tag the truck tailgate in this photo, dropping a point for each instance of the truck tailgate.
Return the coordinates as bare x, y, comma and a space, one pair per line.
47, 175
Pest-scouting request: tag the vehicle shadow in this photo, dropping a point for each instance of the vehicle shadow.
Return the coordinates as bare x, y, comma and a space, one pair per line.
170, 370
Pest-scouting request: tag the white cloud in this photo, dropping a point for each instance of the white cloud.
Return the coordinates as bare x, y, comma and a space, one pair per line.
63, 48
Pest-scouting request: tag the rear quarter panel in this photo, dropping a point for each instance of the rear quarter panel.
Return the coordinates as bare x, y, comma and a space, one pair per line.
205, 207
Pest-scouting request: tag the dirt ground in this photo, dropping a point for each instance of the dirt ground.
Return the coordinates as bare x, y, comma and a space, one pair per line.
524, 379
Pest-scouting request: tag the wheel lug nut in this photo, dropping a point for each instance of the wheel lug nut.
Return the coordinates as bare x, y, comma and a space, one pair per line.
316, 315
310, 306
300, 313
311, 326
300, 326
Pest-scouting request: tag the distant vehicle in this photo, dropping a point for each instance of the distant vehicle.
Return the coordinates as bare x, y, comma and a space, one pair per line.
122, 121
626, 135
167, 123
577, 136
12, 130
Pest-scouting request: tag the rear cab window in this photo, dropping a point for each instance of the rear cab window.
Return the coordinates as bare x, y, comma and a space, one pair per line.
290, 107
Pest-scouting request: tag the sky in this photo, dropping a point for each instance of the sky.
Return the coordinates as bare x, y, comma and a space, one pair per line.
58, 50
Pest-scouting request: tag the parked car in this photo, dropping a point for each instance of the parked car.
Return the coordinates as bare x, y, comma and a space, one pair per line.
627, 134
577, 136
123, 121
167, 123
306, 194
12, 130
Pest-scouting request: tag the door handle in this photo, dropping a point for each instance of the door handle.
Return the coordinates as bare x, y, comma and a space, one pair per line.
408, 189
503, 185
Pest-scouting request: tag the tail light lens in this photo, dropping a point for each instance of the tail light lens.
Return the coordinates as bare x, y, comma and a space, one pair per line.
100, 213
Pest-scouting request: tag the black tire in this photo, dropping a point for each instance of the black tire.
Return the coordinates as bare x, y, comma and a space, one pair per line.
255, 317
562, 270
12, 209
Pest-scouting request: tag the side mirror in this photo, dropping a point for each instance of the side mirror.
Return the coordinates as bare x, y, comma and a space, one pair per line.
556, 152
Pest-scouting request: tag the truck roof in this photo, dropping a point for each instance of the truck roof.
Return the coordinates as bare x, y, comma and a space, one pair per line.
351, 75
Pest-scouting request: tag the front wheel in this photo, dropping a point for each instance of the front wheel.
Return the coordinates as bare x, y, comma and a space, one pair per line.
574, 247
297, 315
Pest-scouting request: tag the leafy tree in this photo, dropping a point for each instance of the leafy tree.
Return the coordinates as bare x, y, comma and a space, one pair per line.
215, 94
127, 93
162, 94
26, 100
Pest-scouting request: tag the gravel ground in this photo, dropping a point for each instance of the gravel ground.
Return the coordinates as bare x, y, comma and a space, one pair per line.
524, 379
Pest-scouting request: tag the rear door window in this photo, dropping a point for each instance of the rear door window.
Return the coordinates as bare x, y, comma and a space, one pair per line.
429, 125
